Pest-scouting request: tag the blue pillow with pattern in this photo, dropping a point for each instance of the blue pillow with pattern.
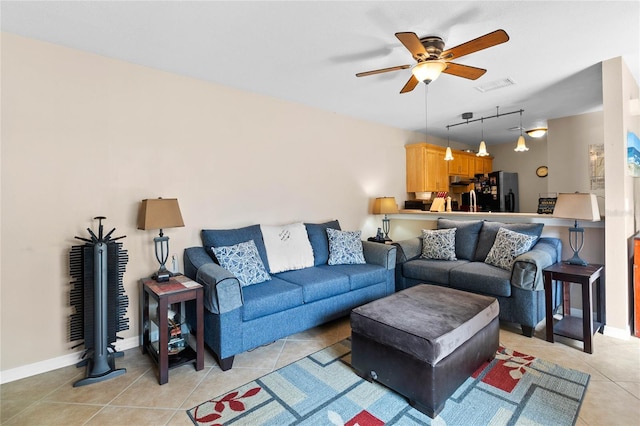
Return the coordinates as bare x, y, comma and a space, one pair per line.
345, 247
243, 261
507, 246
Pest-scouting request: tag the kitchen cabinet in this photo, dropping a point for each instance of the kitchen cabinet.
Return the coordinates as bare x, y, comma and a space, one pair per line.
482, 165
426, 168
459, 166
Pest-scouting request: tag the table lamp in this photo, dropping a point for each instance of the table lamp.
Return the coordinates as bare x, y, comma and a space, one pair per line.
577, 206
160, 213
385, 205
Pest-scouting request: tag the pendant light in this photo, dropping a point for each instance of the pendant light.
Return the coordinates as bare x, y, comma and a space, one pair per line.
448, 156
482, 151
521, 146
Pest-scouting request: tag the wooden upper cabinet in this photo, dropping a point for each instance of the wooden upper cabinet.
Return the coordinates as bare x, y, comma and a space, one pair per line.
483, 165
416, 167
426, 168
462, 164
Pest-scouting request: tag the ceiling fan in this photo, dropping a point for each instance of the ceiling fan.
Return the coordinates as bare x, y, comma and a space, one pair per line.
432, 59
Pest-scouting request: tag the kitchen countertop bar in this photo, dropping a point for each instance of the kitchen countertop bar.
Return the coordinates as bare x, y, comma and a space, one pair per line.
496, 216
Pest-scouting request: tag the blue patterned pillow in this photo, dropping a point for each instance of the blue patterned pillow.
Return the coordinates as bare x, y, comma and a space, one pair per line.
507, 246
439, 244
345, 247
243, 261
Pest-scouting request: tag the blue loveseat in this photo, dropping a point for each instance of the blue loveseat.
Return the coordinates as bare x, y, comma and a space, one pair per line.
238, 318
519, 289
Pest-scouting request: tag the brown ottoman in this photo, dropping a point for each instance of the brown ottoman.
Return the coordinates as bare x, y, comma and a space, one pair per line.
424, 342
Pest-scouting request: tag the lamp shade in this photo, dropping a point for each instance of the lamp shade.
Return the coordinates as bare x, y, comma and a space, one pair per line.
482, 151
428, 71
385, 205
448, 155
521, 145
578, 206
159, 213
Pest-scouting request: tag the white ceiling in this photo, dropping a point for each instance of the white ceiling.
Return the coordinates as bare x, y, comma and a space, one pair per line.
309, 51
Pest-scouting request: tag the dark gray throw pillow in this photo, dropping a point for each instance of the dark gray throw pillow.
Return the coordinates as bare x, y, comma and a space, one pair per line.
466, 235
490, 229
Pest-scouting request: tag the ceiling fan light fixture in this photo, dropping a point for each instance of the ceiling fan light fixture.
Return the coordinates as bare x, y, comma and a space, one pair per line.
429, 70
482, 151
521, 146
537, 132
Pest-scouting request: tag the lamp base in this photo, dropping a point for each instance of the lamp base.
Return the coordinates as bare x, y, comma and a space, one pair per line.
576, 260
162, 276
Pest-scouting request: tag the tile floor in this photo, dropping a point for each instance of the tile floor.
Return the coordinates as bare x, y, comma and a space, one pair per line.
135, 398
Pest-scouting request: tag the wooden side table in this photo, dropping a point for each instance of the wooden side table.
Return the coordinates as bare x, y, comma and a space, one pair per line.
571, 326
177, 289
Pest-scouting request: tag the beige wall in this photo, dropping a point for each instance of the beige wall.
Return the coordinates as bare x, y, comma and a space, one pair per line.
84, 135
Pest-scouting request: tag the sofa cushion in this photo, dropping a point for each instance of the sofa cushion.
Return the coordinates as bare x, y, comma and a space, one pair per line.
467, 232
345, 247
317, 283
229, 237
430, 271
270, 297
439, 244
479, 277
360, 276
288, 247
507, 246
243, 261
490, 230
319, 242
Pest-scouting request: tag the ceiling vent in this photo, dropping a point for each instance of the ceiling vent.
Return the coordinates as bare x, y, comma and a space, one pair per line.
496, 84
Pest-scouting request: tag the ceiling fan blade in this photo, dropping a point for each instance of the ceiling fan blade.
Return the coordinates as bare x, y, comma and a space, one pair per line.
411, 84
413, 44
482, 42
466, 71
381, 70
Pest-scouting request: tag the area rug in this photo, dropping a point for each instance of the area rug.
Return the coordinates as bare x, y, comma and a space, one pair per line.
322, 389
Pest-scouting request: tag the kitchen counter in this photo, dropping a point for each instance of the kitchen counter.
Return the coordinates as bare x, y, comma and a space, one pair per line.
546, 219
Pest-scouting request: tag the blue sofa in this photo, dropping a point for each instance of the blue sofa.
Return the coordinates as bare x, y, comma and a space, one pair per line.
238, 318
519, 291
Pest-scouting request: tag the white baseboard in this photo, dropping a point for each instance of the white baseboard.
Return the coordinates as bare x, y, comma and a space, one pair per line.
618, 333
58, 362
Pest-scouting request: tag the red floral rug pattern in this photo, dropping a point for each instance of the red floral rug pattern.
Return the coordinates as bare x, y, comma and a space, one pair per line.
322, 389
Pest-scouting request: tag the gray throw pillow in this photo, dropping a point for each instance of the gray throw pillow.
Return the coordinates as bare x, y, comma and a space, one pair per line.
490, 230
439, 244
466, 235
507, 246
243, 261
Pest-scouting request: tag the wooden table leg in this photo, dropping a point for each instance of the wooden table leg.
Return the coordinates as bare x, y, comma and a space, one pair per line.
587, 322
548, 301
163, 340
199, 331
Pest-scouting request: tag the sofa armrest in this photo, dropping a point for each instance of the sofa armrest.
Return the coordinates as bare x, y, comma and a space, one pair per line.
408, 249
527, 268
379, 254
222, 292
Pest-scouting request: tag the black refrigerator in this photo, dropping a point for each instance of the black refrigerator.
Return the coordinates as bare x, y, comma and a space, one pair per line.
498, 192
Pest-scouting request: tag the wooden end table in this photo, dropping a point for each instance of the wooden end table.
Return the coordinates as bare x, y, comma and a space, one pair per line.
571, 326
178, 289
